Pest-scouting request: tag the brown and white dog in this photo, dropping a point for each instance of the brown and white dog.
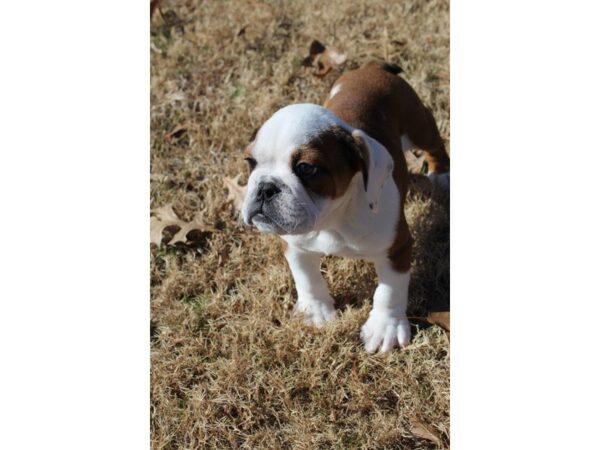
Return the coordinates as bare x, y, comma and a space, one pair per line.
332, 181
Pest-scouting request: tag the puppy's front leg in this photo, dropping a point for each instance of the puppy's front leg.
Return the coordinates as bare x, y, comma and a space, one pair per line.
314, 301
387, 326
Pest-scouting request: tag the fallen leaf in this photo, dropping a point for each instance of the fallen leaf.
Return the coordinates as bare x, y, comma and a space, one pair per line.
415, 161
178, 95
153, 6
235, 192
176, 132
315, 48
424, 431
156, 229
165, 217
159, 177
308, 61
440, 318
326, 59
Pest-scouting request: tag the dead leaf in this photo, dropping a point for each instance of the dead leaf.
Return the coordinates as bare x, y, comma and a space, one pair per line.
325, 59
415, 161
235, 192
329, 59
153, 6
315, 48
177, 96
400, 42
159, 177
156, 229
424, 431
165, 217
440, 318
176, 132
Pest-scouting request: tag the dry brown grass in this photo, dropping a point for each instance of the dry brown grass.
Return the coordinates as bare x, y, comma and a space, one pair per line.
230, 367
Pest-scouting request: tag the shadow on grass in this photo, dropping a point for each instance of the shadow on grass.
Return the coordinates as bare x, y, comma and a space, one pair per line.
430, 227
428, 211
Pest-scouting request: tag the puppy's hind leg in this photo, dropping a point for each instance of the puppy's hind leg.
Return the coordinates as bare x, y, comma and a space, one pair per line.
427, 138
314, 303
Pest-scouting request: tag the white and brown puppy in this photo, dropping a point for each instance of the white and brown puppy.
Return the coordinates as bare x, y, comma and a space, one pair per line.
332, 181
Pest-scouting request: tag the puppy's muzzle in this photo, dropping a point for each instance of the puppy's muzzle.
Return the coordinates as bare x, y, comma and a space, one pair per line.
266, 191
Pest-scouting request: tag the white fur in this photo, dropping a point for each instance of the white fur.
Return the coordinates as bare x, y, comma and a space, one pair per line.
314, 301
352, 229
347, 226
291, 126
335, 90
387, 326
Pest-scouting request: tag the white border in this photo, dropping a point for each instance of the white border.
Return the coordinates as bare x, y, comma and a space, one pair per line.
74, 186
525, 151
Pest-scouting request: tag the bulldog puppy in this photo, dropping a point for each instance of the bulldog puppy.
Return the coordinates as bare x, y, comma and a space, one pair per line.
332, 180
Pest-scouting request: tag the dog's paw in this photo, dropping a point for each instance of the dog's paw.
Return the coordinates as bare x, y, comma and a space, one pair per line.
384, 332
314, 312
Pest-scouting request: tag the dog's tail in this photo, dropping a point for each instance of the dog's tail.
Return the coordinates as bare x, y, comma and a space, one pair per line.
391, 68
388, 67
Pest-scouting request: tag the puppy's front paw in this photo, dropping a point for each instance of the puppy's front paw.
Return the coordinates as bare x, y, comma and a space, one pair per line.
384, 332
314, 312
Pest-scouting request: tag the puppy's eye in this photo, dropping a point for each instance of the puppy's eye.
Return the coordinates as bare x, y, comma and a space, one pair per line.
305, 170
251, 162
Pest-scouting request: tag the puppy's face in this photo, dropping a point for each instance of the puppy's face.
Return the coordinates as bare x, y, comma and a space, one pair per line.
302, 162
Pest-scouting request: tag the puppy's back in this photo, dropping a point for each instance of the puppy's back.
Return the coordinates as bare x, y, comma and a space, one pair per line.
375, 99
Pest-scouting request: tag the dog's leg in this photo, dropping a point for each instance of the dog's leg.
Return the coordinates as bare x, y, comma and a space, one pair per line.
314, 301
437, 160
387, 326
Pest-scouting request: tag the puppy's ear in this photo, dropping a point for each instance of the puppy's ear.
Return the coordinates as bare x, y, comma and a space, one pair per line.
377, 166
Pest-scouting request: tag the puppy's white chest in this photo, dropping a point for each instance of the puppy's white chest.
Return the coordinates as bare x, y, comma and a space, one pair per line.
357, 234
346, 241
330, 242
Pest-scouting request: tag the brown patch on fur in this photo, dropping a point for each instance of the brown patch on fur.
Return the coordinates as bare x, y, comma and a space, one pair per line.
374, 99
381, 103
338, 157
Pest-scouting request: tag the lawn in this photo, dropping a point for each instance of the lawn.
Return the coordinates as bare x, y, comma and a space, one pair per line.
231, 366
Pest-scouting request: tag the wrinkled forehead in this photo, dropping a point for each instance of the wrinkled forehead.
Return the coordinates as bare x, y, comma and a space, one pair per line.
290, 128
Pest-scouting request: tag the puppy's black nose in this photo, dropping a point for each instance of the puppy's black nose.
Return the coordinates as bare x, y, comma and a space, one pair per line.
266, 191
